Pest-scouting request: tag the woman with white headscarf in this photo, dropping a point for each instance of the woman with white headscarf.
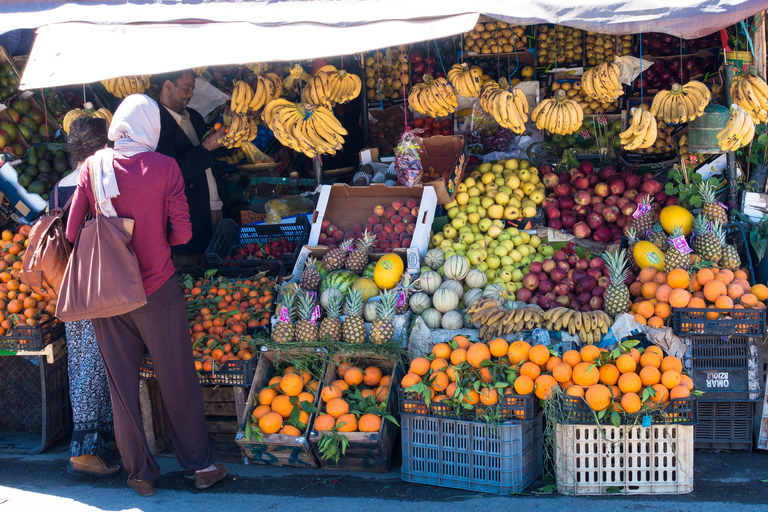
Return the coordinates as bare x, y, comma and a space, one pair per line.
135, 182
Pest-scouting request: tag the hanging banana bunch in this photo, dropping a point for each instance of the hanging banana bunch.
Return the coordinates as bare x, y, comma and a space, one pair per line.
681, 104
601, 83
342, 85
307, 128
258, 68
750, 92
642, 131
297, 73
242, 128
244, 99
509, 109
559, 115
465, 80
434, 98
738, 131
123, 86
87, 110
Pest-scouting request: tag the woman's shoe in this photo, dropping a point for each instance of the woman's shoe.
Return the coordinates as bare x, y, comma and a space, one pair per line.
144, 488
205, 479
91, 466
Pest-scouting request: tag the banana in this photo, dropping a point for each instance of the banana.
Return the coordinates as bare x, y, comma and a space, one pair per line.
658, 100
578, 322
521, 101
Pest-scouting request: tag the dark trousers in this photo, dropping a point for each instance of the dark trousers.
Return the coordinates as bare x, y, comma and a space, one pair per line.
161, 325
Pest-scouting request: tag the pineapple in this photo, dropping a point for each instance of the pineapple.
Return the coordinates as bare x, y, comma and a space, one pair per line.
645, 222
632, 238
707, 244
358, 259
309, 281
383, 330
330, 327
730, 256
283, 332
335, 258
616, 297
711, 209
673, 258
658, 237
353, 327
306, 328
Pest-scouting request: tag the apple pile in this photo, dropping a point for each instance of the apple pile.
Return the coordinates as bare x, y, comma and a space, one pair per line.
565, 280
664, 74
393, 227
660, 45
597, 205
421, 65
432, 126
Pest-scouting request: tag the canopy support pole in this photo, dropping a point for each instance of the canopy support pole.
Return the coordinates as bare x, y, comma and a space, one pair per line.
317, 163
733, 189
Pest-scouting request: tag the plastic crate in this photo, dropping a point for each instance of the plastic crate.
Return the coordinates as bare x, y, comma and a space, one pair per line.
482, 457
514, 408
744, 322
724, 425
231, 373
680, 411
229, 235
34, 403
28, 337
726, 367
597, 459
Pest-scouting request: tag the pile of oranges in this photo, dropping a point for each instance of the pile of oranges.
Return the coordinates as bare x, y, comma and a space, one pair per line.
19, 304
656, 293
284, 405
356, 401
220, 312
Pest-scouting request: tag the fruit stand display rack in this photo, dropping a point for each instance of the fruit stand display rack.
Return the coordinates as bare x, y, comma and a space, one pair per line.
515, 408
724, 425
678, 411
37, 337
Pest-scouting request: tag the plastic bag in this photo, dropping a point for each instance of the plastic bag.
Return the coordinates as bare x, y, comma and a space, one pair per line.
483, 135
287, 206
630, 68
407, 160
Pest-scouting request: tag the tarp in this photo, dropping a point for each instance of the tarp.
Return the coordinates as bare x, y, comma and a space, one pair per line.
682, 18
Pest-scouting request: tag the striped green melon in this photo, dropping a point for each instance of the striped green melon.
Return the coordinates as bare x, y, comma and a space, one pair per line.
342, 280
368, 272
456, 286
419, 302
476, 278
434, 258
432, 318
430, 282
452, 320
471, 296
456, 267
496, 291
445, 300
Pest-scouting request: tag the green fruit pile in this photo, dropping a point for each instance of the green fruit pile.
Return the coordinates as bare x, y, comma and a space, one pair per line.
42, 170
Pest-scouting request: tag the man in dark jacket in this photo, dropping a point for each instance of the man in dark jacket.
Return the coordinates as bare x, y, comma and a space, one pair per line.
181, 132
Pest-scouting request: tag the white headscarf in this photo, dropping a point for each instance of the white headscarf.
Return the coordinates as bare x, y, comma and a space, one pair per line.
135, 129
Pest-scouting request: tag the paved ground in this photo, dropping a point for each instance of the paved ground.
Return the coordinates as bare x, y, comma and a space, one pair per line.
725, 482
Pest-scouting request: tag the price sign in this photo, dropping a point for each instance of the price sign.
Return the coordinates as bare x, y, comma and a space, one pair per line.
585, 134
315, 315
313, 295
642, 209
284, 315
721, 204
648, 233
400, 298
681, 245
602, 120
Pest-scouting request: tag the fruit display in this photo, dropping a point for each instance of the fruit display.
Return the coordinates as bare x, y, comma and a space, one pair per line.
576, 92
432, 127
250, 100
87, 110
664, 143
642, 131
385, 73
559, 45
433, 97
561, 115
737, 132
390, 227
509, 109
272, 250
702, 43
308, 129
601, 48
385, 132
25, 120
750, 93
42, 169
659, 45
221, 311
123, 86
422, 66
601, 83
663, 74
681, 104
330, 86
241, 129
9, 81
495, 37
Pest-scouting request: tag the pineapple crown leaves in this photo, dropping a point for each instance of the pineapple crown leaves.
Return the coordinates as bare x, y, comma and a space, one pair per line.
288, 300
334, 305
701, 225
616, 262
386, 307
717, 229
631, 235
311, 261
306, 305
354, 302
706, 191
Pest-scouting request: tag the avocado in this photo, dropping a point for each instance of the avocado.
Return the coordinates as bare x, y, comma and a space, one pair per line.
44, 166
42, 152
25, 132
32, 158
25, 180
29, 123
45, 129
32, 171
44, 177
10, 129
60, 163
19, 170
37, 187
36, 116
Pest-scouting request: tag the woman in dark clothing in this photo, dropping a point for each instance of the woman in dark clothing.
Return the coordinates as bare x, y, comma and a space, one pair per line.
88, 387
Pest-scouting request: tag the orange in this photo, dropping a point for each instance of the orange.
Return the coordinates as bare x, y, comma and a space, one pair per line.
589, 353
562, 372
450, 390
523, 385
650, 376
671, 379
704, 275
441, 350
291, 384
539, 354
369, 423
663, 292
346, 423
609, 374
472, 397
409, 380
333, 391
478, 353
598, 397
686, 382
341, 384
649, 290
635, 355
650, 359
337, 407
462, 342
760, 291
655, 349
372, 376
282, 405
615, 392
679, 298
631, 403
552, 362
724, 302
290, 430
530, 369
725, 275
324, 423
489, 396
266, 396
671, 363
662, 310
734, 291
630, 383
451, 373
749, 299
660, 278
572, 357
645, 309
271, 423
498, 347
647, 274
626, 363
662, 393
713, 289
419, 366
585, 375
438, 364
678, 279
656, 321
518, 351
679, 392
636, 289
575, 391
696, 303
458, 356
695, 284
306, 397
367, 392
440, 381
261, 411
544, 386
641, 319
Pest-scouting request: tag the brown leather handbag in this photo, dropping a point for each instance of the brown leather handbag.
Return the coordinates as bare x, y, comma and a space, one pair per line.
102, 278
48, 252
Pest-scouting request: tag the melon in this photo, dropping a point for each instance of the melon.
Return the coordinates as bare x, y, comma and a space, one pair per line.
452, 320
476, 278
419, 303
367, 287
648, 255
495, 291
675, 215
471, 296
342, 280
368, 272
388, 270
456, 286
445, 300
456, 267
369, 311
432, 318
434, 258
325, 297
430, 282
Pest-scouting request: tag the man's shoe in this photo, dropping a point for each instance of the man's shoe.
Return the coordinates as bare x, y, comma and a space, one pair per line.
144, 488
92, 466
207, 478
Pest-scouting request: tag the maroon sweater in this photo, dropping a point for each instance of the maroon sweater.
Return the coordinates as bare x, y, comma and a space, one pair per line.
151, 193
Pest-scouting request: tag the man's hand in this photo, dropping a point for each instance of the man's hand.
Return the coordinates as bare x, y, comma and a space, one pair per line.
211, 142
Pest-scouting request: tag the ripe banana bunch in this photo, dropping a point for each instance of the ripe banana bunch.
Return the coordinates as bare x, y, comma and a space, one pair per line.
317, 90
342, 85
495, 320
750, 93
589, 325
87, 110
642, 131
296, 74
601, 83
245, 99
738, 131
509, 109
560, 115
123, 86
682, 104
242, 128
104, 114
306, 128
434, 98
465, 80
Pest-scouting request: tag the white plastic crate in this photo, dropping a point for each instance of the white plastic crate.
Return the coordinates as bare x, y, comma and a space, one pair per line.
469, 455
592, 459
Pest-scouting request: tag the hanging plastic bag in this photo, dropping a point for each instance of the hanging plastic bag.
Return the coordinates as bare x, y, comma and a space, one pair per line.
287, 206
407, 160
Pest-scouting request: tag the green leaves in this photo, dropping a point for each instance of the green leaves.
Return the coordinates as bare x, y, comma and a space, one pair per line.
615, 418
332, 445
210, 273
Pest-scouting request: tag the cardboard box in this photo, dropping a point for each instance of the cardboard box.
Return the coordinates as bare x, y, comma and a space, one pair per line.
447, 155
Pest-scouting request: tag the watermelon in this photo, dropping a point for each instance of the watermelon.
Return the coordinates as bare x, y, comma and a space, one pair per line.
342, 280
321, 269
368, 272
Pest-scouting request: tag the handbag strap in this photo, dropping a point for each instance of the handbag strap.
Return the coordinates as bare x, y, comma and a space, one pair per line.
93, 190
59, 212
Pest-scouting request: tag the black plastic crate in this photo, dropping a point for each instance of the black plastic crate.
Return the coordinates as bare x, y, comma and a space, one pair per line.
744, 322
34, 403
726, 367
724, 425
574, 410
273, 269
29, 337
229, 236
509, 408
231, 373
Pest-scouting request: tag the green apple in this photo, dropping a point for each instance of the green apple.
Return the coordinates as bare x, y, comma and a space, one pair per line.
526, 260
507, 190
513, 231
511, 289
517, 275
506, 275
474, 229
437, 239
524, 250
483, 266
526, 237
449, 232
539, 258
484, 224
499, 181
487, 202
493, 261
467, 238
499, 281
473, 218
460, 253
448, 254
507, 260
474, 200
458, 222
503, 235
517, 239
462, 209
446, 245
471, 208
458, 246
508, 244
535, 241
546, 250
496, 168
453, 212
511, 164
493, 231
493, 244
516, 256
485, 167
501, 198
500, 251
482, 211
490, 274
498, 222
524, 164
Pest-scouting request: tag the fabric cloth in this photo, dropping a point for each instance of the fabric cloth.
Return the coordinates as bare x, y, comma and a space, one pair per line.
160, 326
152, 194
186, 126
193, 161
93, 430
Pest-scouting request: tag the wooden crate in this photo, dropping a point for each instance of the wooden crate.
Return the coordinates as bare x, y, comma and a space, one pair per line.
275, 449
367, 451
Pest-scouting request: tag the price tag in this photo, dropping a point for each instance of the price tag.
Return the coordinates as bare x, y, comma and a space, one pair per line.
681, 245
585, 134
284, 315
642, 209
315, 315
351, 248
313, 295
721, 204
602, 120
648, 233
646, 421
400, 298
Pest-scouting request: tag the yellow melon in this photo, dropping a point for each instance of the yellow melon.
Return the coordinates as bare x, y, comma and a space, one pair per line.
387, 272
648, 255
674, 215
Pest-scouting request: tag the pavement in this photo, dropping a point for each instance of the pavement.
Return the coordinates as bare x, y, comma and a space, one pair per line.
724, 482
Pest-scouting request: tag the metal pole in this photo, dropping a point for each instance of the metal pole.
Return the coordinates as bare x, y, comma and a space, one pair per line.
733, 190
364, 98
318, 165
